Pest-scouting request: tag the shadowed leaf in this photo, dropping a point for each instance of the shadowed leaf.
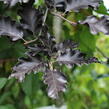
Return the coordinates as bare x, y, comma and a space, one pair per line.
13, 2
31, 18
10, 28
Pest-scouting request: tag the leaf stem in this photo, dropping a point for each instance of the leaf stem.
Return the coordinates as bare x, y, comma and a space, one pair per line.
25, 41
31, 41
45, 17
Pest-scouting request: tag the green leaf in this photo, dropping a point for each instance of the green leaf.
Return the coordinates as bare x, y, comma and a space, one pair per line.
2, 82
7, 106
30, 84
14, 50
27, 85
87, 41
38, 3
102, 10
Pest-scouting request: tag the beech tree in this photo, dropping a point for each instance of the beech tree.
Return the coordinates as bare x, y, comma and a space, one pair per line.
50, 52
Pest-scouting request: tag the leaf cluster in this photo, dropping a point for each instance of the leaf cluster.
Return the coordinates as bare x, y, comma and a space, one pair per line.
44, 54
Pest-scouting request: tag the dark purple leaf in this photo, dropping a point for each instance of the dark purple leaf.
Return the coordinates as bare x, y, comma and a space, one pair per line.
31, 18
10, 28
56, 82
67, 44
97, 24
13, 2
75, 5
26, 67
75, 57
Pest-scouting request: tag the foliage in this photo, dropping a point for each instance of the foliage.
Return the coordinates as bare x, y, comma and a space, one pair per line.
28, 25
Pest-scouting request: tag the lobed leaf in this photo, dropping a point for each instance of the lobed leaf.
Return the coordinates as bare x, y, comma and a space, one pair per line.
76, 5
67, 44
75, 57
26, 67
56, 82
97, 25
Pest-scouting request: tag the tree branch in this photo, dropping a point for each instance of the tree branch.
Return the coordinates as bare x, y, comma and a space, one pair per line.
58, 15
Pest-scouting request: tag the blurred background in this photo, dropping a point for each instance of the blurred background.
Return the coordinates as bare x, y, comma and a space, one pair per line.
88, 85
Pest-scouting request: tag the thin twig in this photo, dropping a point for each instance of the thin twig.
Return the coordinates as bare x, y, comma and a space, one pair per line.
58, 15
25, 41
31, 41
44, 20
45, 17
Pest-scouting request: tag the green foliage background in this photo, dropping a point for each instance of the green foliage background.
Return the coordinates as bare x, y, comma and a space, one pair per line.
87, 85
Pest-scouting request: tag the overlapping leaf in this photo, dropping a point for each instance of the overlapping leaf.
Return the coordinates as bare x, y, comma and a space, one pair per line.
56, 82
49, 3
45, 46
65, 53
10, 28
75, 5
71, 56
31, 18
97, 24
67, 44
54, 3
43, 55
